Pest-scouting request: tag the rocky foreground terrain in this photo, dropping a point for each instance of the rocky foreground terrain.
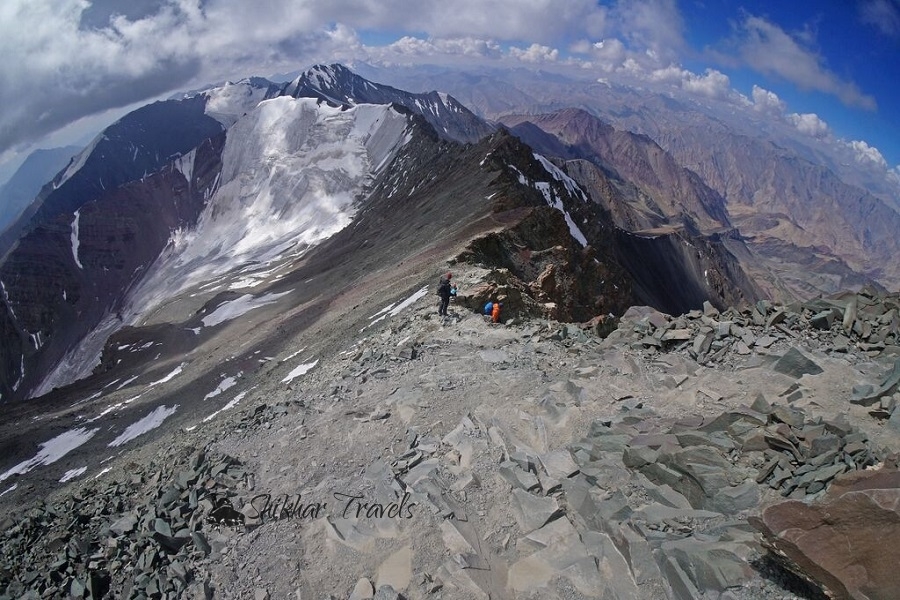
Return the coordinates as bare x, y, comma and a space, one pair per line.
735, 455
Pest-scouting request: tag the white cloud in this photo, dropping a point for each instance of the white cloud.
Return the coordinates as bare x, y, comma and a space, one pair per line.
712, 84
884, 15
866, 153
767, 102
608, 54
809, 123
535, 54
414, 49
768, 49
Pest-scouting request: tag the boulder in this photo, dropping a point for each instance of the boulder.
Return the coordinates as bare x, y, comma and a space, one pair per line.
795, 364
841, 543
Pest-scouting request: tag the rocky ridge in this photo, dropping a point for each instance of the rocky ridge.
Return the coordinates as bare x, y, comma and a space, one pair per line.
451, 458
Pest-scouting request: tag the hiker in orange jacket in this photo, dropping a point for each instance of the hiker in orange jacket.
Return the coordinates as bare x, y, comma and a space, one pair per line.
495, 312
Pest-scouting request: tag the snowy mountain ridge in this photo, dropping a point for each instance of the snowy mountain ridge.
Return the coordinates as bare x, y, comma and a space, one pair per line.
292, 170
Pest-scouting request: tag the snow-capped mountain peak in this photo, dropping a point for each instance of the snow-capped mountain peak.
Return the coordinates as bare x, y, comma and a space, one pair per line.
336, 84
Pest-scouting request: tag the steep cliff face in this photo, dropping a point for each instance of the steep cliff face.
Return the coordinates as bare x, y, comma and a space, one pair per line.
677, 273
69, 273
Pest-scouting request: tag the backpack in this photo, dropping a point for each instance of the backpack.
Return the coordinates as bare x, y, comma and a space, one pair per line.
488, 308
443, 287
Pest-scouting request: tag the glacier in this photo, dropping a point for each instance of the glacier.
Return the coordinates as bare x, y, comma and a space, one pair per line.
292, 170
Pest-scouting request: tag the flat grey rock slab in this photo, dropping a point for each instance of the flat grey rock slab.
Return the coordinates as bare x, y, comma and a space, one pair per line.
558, 464
532, 512
795, 364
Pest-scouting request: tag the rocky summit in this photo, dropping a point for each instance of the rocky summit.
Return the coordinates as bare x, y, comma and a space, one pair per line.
738, 454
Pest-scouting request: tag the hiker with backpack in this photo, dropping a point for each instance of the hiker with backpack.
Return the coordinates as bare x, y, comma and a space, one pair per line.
444, 291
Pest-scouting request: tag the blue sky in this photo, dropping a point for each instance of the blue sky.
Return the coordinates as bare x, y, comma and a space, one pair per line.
827, 67
857, 42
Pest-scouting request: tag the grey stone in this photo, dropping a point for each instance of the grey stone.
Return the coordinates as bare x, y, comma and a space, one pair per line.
124, 525
677, 335
710, 566
822, 320
850, 314
386, 592
518, 478
888, 386
731, 500
702, 343
363, 590
760, 404
636, 457
558, 464
532, 512
795, 364
163, 528
765, 341
681, 585
709, 310
200, 542
716, 439
493, 356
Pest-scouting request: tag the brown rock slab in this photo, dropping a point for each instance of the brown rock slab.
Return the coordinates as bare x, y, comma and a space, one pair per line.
841, 543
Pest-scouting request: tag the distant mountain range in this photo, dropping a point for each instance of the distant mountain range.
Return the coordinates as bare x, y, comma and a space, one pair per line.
290, 193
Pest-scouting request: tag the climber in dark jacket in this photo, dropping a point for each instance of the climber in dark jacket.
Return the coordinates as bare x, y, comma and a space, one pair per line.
444, 293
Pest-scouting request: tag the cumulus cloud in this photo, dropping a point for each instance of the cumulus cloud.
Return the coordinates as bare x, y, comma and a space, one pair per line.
410, 49
768, 49
535, 54
712, 84
66, 59
767, 102
867, 154
809, 123
884, 15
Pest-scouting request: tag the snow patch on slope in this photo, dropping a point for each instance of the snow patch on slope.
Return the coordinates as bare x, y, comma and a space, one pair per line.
168, 377
233, 309
552, 198
300, 370
153, 420
52, 450
185, 165
75, 241
228, 406
225, 384
79, 160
